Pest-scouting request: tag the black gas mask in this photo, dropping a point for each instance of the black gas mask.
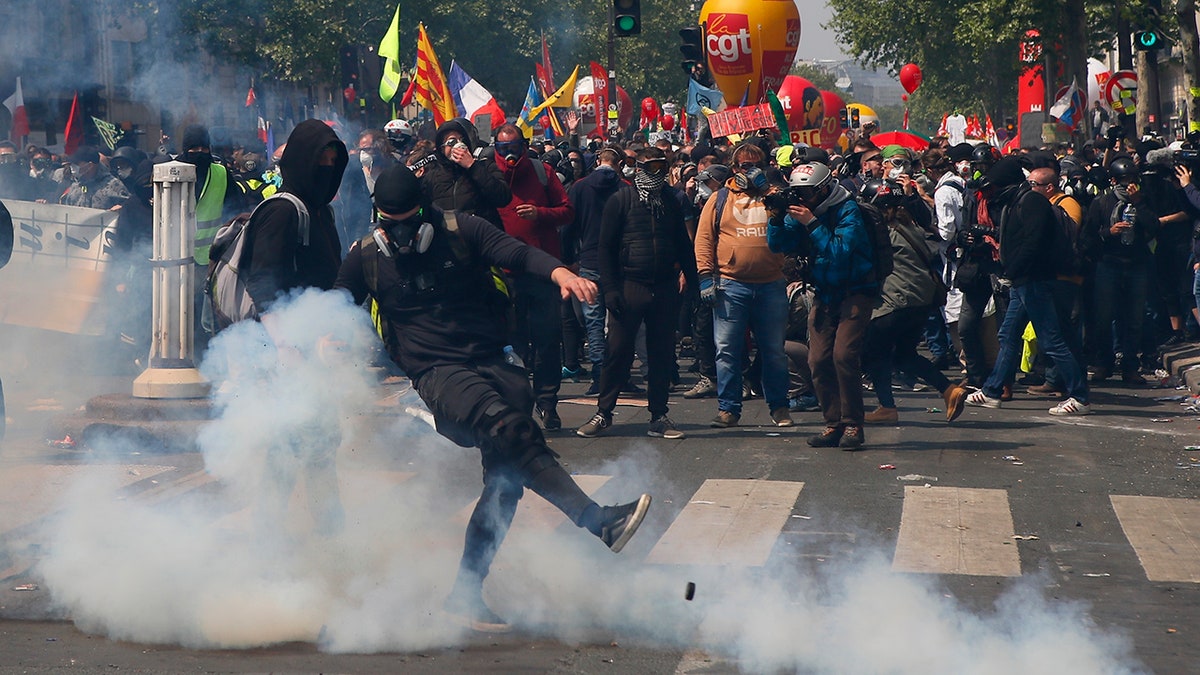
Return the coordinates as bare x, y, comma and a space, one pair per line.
403, 237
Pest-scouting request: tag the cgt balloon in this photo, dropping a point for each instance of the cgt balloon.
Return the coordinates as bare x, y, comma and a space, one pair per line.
802, 102
750, 45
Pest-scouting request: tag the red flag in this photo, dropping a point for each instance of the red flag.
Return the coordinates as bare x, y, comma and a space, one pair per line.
251, 99
407, 98
432, 92
16, 106
262, 130
549, 88
974, 128
942, 129
992, 139
906, 118
600, 97
74, 132
543, 80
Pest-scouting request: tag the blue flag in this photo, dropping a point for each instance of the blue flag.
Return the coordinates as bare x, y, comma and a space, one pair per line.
700, 96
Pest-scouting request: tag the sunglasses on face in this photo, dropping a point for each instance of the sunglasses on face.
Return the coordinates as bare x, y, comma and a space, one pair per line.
746, 166
1034, 183
653, 166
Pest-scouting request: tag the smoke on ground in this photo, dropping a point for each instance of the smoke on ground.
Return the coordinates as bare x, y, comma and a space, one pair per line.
359, 555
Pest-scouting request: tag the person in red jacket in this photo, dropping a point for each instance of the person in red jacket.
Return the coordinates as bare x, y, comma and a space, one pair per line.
539, 207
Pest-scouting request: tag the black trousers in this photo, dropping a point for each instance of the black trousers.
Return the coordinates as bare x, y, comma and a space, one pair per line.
539, 335
658, 307
702, 337
488, 405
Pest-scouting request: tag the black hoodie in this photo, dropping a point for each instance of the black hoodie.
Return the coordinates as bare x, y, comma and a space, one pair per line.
278, 263
480, 190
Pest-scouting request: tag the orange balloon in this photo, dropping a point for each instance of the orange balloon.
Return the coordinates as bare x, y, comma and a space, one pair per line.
750, 42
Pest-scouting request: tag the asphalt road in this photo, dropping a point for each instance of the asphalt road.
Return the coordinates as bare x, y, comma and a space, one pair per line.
1009, 539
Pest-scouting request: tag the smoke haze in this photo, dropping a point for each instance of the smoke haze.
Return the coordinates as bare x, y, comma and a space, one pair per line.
364, 567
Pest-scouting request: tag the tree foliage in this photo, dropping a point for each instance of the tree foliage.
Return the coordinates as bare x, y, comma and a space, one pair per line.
968, 51
497, 43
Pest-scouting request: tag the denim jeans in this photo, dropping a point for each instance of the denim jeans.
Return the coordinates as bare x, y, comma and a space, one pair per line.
763, 308
1120, 294
593, 321
1196, 288
1034, 303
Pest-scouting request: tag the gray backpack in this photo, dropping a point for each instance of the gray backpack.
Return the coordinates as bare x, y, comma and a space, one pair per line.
226, 290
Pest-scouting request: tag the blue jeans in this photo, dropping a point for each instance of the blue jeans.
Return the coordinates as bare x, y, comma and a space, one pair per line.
1034, 302
1196, 289
593, 322
763, 308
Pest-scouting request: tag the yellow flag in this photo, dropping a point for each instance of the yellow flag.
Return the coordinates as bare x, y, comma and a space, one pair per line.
562, 98
389, 49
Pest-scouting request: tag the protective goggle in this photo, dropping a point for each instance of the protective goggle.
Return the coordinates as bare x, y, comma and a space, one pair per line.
506, 148
653, 166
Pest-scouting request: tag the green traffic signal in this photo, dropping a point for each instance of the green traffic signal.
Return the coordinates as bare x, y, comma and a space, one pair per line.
1148, 39
626, 23
627, 17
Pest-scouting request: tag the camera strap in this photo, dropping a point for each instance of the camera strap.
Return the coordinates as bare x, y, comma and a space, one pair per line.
722, 196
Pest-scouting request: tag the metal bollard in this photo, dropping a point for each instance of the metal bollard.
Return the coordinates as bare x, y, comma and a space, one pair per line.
172, 372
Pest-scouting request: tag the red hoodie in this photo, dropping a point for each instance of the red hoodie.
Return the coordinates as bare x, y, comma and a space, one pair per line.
554, 210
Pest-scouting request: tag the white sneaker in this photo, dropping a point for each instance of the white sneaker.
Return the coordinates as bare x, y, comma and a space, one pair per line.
1071, 407
981, 400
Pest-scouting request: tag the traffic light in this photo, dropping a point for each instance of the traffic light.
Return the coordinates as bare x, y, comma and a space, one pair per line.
844, 118
855, 118
1010, 127
1146, 40
692, 47
627, 17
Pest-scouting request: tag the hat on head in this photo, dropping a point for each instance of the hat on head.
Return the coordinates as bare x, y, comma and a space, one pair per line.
1006, 172
397, 190
811, 154
84, 155
196, 136
717, 172
783, 155
890, 151
960, 152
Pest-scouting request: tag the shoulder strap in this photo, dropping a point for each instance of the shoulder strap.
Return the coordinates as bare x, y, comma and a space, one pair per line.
457, 244
718, 208
539, 168
370, 262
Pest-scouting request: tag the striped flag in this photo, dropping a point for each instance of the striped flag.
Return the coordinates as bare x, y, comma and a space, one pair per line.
471, 98
431, 90
389, 49
16, 108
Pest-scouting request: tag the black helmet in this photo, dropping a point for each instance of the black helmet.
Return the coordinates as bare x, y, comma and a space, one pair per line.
985, 154
1122, 167
884, 193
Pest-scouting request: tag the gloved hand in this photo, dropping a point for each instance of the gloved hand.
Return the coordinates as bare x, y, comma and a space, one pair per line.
613, 302
708, 290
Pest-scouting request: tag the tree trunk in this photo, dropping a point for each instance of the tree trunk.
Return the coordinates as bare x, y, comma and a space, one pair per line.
1185, 11
1075, 38
1147, 111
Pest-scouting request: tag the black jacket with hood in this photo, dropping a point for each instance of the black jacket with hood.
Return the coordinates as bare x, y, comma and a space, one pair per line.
278, 262
581, 237
480, 190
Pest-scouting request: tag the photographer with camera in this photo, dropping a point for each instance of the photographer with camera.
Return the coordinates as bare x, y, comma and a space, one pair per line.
743, 278
1184, 172
1164, 189
818, 217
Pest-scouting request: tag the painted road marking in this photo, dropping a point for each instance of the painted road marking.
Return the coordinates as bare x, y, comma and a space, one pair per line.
947, 530
1165, 533
728, 522
29, 492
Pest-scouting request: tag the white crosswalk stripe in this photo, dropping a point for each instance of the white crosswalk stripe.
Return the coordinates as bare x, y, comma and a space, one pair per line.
952, 530
1165, 533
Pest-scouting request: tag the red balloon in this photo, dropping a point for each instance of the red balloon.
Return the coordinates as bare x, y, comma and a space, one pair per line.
802, 103
903, 97
544, 120
667, 122
910, 77
831, 126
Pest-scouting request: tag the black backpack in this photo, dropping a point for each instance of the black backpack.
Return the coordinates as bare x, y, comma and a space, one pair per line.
970, 204
1068, 250
881, 241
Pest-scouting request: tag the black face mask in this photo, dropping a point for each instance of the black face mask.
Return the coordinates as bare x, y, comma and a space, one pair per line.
326, 175
197, 159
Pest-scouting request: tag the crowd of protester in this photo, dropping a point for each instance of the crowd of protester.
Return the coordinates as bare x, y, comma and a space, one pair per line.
760, 261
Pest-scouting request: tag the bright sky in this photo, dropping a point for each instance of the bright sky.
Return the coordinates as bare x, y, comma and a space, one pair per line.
816, 42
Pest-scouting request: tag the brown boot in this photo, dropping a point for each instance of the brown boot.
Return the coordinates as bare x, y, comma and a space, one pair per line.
955, 397
882, 415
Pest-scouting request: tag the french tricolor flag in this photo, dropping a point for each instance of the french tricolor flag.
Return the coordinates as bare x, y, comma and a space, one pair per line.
471, 98
16, 106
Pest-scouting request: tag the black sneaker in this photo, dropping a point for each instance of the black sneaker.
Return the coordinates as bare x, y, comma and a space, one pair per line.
594, 389
852, 437
594, 426
549, 417
622, 522
631, 388
663, 427
473, 613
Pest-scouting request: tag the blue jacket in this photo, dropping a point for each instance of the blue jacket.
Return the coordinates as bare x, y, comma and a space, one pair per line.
838, 247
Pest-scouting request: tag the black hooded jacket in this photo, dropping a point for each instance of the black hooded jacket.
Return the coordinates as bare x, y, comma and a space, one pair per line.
581, 238
278, 263
480, 190
1027, 234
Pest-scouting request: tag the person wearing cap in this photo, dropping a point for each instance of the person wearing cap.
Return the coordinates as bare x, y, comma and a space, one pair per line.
708, 181
92, 186
1028, 256
581, 246
428, 271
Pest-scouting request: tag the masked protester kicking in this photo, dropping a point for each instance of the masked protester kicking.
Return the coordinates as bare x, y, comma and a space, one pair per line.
429, 272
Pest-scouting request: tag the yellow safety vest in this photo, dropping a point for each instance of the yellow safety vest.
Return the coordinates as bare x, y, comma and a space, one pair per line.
208, 211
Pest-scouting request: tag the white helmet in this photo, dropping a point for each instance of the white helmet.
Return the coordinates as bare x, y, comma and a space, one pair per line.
399, 134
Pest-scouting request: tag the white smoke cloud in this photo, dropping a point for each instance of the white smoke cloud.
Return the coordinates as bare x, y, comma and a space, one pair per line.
232, 568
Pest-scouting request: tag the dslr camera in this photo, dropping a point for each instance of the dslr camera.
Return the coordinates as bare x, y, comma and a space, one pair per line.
778, 201
1187, 157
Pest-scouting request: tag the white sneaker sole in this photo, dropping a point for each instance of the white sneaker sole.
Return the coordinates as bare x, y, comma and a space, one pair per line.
635, 521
